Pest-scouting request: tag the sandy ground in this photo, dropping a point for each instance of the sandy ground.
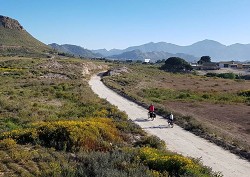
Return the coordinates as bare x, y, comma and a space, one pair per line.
177, 139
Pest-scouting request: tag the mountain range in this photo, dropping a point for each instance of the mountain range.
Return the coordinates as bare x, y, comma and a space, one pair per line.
153, 56
15, 40
135, 54
214, 49
163, 50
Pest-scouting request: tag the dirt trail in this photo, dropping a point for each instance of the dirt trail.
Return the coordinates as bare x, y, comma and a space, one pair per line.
177, 139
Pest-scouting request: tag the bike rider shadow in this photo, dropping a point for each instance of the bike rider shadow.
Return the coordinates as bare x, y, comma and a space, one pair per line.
141, 120
152, 127
159, 127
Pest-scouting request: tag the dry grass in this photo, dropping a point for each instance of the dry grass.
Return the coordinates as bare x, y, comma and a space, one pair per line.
213, 102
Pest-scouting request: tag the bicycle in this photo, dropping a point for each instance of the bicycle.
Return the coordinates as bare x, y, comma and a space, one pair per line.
151, 115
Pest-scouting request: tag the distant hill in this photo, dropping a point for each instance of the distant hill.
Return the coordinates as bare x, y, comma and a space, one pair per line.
15, 40
111, 52
214, 49
133, 55
75, 50
153, 56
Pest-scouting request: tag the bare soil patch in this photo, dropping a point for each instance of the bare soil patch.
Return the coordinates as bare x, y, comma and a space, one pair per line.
200, 84
233, 120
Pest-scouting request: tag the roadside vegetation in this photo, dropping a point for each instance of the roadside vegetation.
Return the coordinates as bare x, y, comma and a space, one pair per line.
52, 124
211, 107
229, 76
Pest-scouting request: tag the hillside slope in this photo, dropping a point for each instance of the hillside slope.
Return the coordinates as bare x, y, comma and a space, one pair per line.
14, 40
74, 50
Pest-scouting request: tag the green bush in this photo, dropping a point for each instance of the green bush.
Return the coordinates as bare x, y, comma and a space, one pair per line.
114, 163
223, 75
151, 141
211, 74
245, 93
227, 75
183, 96
206, 96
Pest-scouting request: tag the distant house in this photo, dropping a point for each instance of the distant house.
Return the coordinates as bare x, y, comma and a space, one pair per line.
194, 64
234, 65
205, 66
246, 65
228, 64
146, 60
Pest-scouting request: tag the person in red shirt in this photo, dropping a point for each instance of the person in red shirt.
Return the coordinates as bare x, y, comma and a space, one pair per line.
151, 112
151, 108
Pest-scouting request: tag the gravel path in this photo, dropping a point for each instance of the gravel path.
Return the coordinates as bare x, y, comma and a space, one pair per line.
177, 139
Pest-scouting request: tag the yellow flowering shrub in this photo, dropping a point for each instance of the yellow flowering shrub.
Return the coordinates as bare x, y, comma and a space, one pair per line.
101, 113
7, 143
174, 164
91, 134
11, 69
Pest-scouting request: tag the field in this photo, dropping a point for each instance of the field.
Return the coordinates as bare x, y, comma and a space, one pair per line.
52, 124
215, 108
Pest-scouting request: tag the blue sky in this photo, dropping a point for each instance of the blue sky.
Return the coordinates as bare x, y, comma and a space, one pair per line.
96, 24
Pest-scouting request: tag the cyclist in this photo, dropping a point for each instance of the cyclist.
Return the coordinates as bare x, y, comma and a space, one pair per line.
151, 110
171, 119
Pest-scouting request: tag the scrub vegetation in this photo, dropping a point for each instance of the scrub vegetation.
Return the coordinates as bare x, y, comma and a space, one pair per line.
211, 107
52, 124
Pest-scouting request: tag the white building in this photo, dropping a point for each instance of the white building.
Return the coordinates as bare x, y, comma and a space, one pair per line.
228, 64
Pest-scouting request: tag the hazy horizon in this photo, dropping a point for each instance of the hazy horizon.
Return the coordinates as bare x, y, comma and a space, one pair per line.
100, 24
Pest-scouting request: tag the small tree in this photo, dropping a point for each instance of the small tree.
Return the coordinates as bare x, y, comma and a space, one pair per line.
160, 61
204, 59
138, 61
176, 64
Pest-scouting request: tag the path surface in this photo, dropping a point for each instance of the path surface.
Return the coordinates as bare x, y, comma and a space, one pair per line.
177, 139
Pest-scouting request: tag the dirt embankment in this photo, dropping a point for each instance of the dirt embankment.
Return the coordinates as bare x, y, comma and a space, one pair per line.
90, 68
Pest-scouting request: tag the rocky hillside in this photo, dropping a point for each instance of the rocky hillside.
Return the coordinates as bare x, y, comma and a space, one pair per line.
9, 23
15, 40
75, 50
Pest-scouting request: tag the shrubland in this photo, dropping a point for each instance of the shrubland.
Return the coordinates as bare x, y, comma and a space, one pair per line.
52, 124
